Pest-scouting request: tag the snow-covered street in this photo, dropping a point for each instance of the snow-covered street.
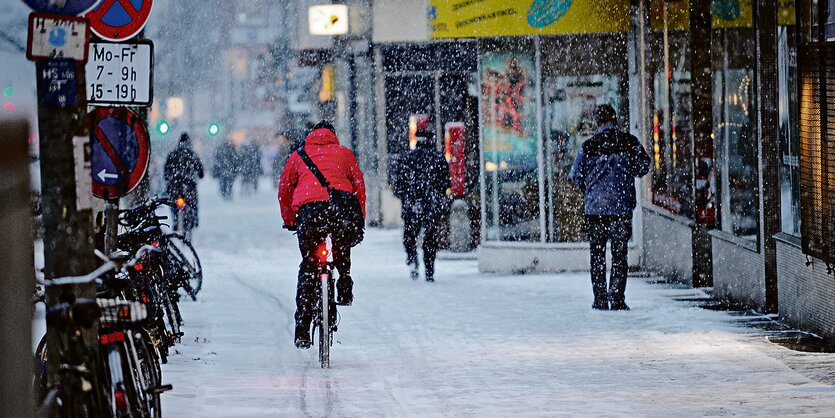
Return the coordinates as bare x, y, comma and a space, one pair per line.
467, 345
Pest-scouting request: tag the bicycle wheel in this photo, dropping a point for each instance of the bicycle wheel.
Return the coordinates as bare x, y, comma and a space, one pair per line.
40, 382
185, 258
146, 375
325, 327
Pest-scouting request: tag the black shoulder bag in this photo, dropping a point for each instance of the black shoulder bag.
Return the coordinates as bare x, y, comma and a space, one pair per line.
345, 213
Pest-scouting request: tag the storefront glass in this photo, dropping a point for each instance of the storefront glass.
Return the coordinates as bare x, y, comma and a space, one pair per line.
789, 133
509, 132
734, 133
569, 103
671, 145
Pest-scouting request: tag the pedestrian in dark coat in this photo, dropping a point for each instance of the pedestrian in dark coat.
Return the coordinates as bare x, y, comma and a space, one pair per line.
226, 168
250, 164
182, 170
421, 183
605, 170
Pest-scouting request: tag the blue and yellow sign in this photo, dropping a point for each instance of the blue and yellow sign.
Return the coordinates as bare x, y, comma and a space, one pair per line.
487, 18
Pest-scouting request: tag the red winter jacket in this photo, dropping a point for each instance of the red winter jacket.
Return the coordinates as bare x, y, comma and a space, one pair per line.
299, 186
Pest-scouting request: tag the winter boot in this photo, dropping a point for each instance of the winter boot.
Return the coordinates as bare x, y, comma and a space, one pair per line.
430, 273
303, 336
415, 273
345, 291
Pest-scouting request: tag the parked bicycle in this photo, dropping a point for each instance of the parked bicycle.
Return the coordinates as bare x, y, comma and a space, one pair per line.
120, 375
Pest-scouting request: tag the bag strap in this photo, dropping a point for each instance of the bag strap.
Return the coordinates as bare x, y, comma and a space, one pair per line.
313, 169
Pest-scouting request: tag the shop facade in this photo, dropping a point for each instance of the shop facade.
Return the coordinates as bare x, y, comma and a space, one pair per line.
539, 80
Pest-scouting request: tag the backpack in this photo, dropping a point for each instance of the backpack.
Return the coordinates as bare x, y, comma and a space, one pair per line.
344, 210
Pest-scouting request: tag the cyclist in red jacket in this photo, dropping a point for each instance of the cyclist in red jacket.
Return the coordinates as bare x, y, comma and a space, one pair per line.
304, 204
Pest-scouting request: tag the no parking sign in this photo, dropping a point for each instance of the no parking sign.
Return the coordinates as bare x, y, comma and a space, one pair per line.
120, 148
119, 20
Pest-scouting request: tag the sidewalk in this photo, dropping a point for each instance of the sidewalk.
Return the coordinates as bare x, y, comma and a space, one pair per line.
467, 345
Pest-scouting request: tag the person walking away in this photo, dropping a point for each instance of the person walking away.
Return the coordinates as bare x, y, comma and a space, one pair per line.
251, 169
181, 171
605, 170
225, 168
304, 208
421, 183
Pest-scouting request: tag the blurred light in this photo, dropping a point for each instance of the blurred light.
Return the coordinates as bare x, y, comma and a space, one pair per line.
490, 166
163, 127
181, 202
8, 91
328, 82
214, 129
328, 19
8, 106
174, 107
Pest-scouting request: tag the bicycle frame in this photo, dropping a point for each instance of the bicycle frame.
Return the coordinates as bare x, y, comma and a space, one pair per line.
325, 272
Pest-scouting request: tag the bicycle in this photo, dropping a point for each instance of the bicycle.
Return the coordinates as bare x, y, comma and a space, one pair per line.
122, 377
322, 317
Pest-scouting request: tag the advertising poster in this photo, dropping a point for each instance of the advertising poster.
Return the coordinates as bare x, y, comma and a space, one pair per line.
509, 109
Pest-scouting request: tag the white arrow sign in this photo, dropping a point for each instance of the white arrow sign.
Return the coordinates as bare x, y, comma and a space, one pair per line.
104, 175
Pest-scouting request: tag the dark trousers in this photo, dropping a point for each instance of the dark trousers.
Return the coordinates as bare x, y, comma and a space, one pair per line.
313, 229
412, 225
617, 231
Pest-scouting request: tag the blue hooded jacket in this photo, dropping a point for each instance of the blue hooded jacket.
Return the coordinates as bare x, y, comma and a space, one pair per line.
605, 169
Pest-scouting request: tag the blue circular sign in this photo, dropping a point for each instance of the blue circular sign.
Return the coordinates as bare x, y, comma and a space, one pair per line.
62, 7
543, 13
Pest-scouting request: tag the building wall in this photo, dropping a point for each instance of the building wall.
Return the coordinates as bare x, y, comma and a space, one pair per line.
400, 21
668, 245
531, 257
738, 271
805, 293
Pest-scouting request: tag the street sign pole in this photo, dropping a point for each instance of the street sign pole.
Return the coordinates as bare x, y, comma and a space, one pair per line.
68, 238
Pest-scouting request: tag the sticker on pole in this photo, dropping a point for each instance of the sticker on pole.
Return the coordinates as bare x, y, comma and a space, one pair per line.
62, 7
119, 20
120, 74
54, 37
120, 148
57, 84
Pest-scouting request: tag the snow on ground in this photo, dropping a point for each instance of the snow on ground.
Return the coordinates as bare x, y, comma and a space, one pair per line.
468, 345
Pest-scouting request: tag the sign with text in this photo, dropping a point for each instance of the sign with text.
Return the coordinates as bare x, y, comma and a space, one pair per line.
55, 36
120, 74
58, 84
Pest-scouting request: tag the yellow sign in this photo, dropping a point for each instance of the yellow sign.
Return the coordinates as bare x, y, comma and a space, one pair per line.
724, 14
483, 18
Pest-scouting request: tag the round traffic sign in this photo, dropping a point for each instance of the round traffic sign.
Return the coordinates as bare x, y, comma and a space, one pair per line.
69, 7
120, 148
119, 20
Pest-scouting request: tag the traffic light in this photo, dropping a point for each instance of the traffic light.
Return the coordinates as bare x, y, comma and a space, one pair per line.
214, 129
163, 127
8, 91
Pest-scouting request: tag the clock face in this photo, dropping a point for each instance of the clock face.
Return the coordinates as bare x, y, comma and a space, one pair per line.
329, 19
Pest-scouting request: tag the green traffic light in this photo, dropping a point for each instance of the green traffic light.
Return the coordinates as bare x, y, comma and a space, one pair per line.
8, 91
214, 129
163, 127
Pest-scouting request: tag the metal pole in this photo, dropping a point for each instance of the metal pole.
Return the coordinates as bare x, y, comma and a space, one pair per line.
18, 276
68, 231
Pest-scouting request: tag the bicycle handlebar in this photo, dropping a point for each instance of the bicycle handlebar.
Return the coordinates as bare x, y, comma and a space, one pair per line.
110, 265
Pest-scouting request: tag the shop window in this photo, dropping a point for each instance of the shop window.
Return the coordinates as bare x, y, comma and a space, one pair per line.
510, 140
789, 133
671, 146
671, 141
734, 131
569, 105
816, 62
